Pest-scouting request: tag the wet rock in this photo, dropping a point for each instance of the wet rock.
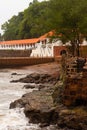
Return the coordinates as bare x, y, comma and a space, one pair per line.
72, 121
44, 125
38, 107
37, 86
58, 93
29, 86
71, 118
38, 79
17, 103
14, 73
45, 86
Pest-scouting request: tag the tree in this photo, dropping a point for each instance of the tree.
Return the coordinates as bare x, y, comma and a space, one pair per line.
36, 18
35, 1
11, 27
28, 24
69, 18
1, 38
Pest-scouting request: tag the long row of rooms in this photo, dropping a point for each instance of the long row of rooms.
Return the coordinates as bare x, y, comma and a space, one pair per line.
17, 46
41, 47
24, 43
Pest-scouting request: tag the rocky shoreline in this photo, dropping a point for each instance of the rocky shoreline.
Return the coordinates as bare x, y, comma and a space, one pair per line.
39, 105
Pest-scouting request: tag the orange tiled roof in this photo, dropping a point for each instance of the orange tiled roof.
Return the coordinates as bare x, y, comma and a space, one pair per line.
28, 41
24, 41
49, 34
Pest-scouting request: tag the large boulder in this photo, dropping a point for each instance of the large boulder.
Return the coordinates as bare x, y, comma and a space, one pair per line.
38, 107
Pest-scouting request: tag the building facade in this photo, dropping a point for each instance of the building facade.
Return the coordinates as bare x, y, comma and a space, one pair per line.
41, 47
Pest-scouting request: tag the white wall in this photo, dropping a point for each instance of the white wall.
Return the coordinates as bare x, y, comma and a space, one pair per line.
45, 50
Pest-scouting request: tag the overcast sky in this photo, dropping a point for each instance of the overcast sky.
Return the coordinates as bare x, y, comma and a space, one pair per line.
8, 8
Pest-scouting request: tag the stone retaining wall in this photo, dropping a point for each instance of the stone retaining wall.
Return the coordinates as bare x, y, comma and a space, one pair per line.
57, 50
23, 61
75, 92
15, 53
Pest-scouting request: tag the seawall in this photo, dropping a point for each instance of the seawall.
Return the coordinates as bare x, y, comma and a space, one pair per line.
6, 62
15, 53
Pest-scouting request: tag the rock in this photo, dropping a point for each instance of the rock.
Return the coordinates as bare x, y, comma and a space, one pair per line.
17, 103
14, 74
72, 122
38, 107
38, 86
58, 93
66, 112
38, 79
36, 76
70, 119
44, 125
29, 86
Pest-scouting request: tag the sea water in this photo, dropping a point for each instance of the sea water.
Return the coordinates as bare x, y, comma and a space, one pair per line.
14, 119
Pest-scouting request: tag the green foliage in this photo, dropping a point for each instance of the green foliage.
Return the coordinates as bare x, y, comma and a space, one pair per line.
11, 28
69, 18
36, 17
28, 24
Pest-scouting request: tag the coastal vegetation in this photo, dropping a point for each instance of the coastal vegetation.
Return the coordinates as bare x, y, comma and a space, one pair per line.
30, 23
66, 18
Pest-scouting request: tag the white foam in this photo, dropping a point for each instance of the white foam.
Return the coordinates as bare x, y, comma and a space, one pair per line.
14, 119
